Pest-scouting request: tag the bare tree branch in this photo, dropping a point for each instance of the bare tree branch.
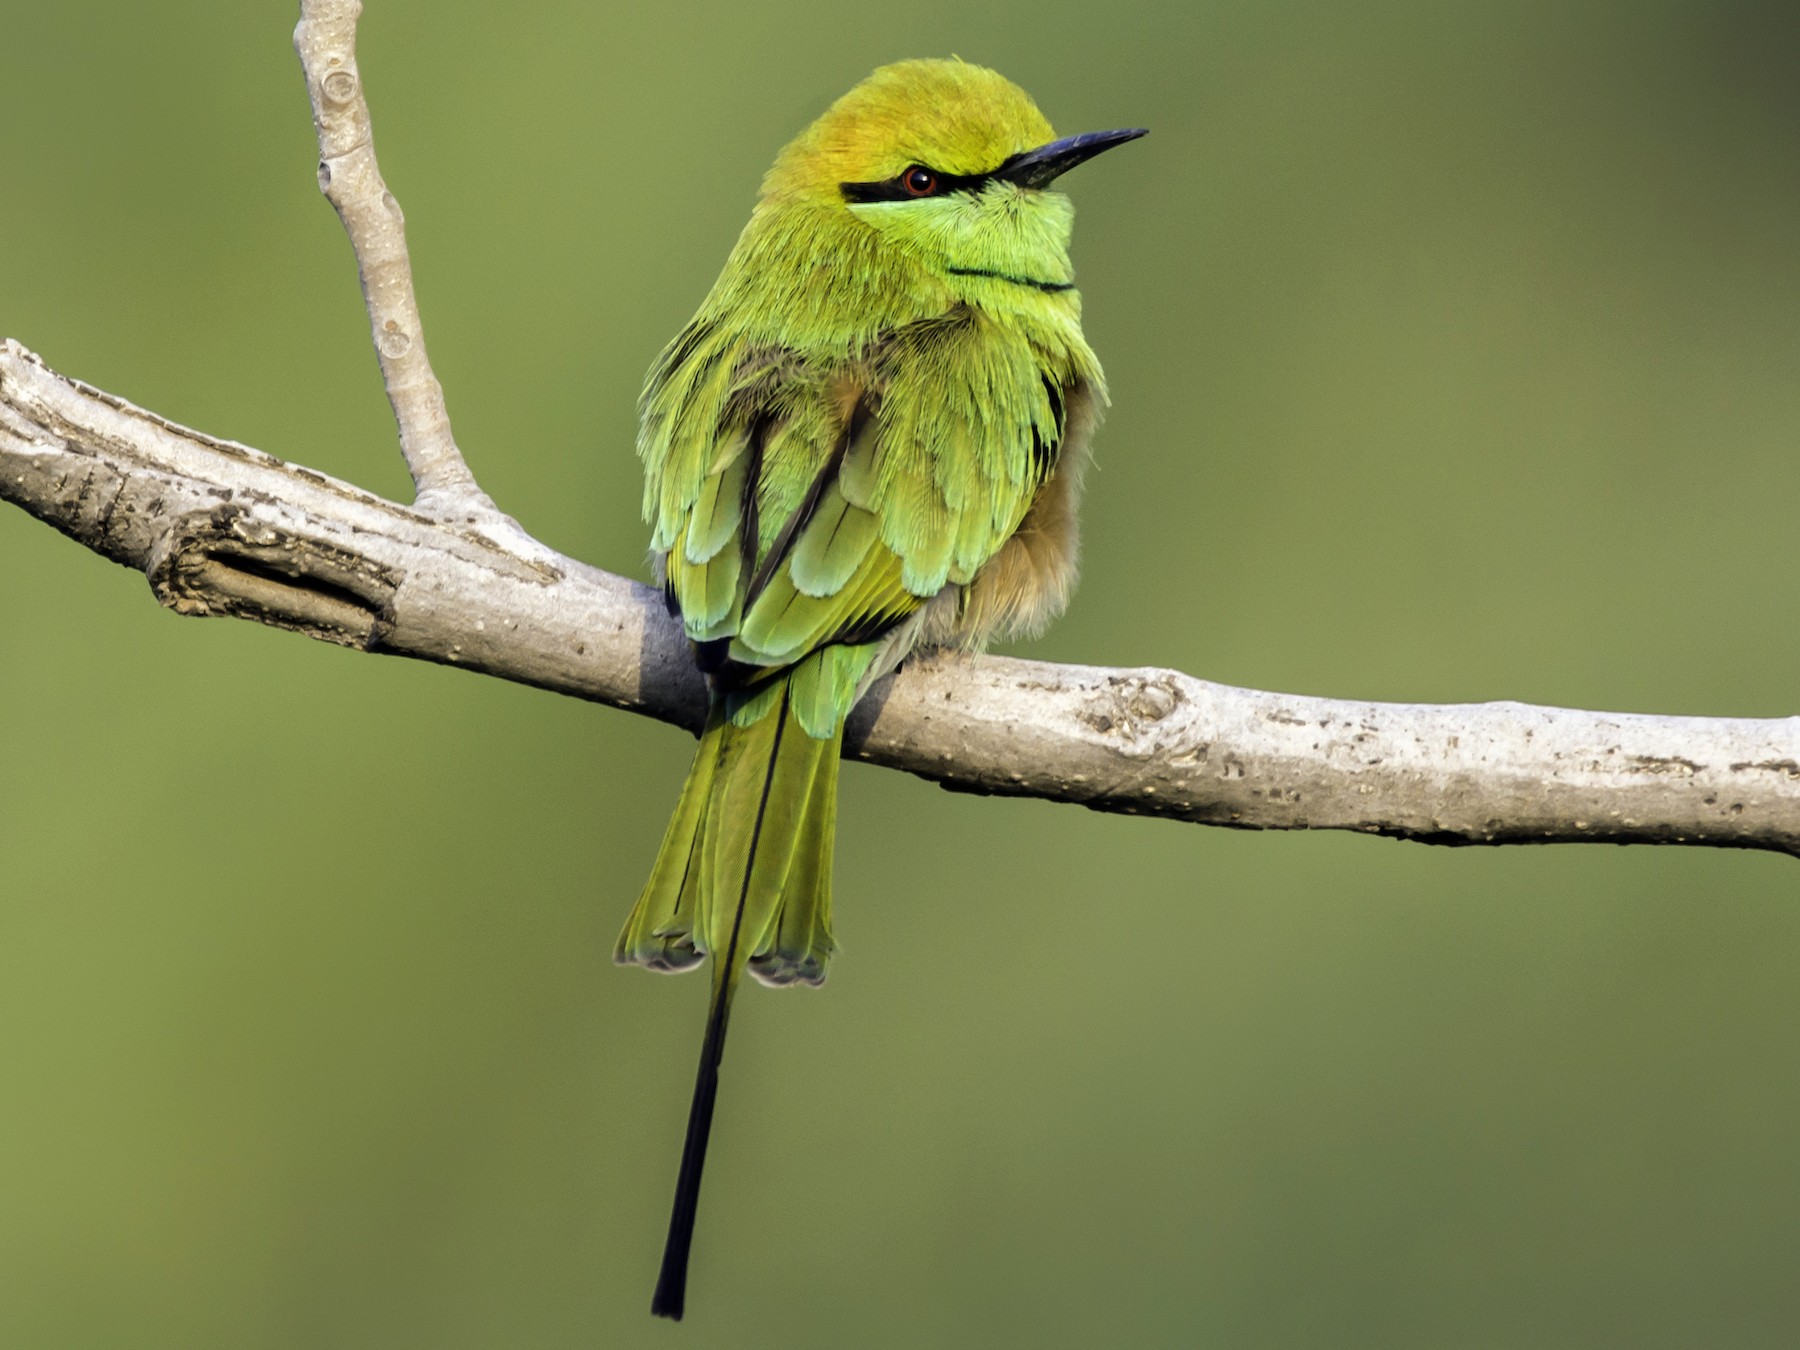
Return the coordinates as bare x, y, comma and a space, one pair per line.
222, 529
325, 39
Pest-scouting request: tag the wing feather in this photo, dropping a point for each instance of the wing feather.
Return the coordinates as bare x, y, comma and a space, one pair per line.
808, 506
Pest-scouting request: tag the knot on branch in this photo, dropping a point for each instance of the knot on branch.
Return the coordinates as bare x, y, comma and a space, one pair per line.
225, 563
1133, 710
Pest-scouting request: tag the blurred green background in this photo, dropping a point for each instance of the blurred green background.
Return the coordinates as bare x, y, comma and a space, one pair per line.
1454, 350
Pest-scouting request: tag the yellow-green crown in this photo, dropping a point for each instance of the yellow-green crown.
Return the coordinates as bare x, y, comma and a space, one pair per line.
949, 115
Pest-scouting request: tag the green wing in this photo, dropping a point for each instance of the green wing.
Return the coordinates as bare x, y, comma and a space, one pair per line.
971, 420
808, 506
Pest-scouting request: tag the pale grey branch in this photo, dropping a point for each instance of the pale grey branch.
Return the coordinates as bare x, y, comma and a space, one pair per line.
325, 39
222, 529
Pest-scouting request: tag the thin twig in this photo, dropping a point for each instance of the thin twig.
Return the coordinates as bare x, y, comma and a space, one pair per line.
325, 39
222, 529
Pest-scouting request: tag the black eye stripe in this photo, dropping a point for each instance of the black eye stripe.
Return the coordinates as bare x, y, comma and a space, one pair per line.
894, 189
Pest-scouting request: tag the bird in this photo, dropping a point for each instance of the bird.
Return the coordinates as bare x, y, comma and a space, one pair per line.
869, 439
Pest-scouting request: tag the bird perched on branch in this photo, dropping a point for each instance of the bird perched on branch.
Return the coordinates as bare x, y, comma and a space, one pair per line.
870, 437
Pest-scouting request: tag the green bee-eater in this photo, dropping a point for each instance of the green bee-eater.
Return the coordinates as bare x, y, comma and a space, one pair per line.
871, 437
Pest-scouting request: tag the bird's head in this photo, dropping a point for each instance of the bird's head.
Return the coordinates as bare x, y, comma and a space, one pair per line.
949, 162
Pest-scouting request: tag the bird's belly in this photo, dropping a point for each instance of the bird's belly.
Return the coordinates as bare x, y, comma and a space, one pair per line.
1027, 583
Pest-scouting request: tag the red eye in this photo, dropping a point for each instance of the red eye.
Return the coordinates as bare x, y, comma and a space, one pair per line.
919, 181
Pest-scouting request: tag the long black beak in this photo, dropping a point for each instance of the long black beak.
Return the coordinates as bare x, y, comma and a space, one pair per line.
1036, 168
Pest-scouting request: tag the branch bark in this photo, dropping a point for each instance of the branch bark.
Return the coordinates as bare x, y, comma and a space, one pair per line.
350, 178
222, 529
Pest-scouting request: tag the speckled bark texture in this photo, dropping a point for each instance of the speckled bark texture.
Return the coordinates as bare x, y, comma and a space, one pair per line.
221, 529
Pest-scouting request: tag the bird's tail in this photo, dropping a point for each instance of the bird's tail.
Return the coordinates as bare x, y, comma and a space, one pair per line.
744, 875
